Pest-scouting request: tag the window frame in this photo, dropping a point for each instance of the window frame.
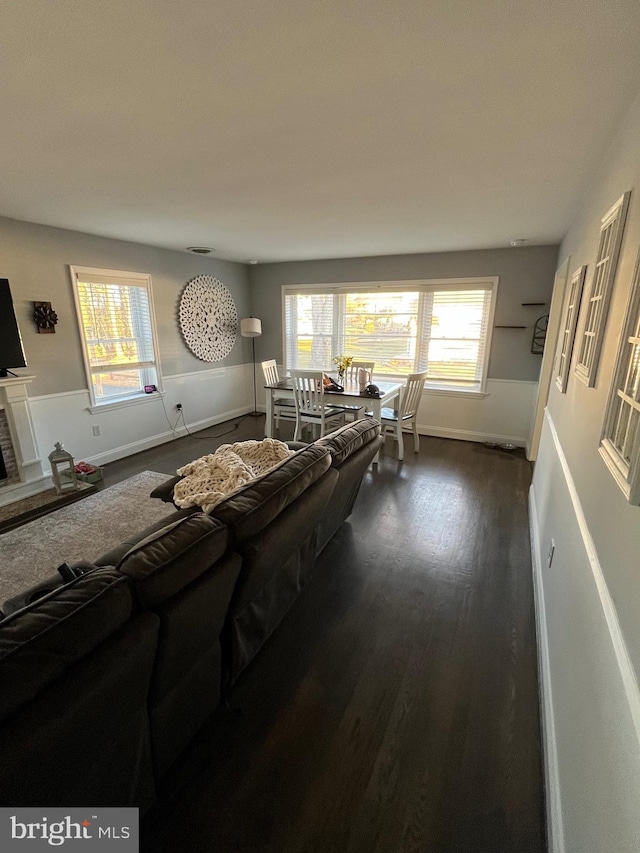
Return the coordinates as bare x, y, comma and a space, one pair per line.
568, 326
116, 276
627, 476
489, 283
587, 368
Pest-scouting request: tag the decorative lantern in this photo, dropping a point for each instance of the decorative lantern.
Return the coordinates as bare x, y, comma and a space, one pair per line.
63, 470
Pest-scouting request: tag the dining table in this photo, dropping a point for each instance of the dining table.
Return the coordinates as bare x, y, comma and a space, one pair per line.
350, 396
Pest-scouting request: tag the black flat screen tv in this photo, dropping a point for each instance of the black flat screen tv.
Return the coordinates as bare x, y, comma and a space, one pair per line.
11, 351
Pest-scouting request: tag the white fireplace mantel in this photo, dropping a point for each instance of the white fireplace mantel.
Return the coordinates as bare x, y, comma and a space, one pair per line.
15, 402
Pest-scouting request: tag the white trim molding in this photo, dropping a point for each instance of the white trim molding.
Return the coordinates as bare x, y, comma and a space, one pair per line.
104, 434
627, 671
590, 694
553, 801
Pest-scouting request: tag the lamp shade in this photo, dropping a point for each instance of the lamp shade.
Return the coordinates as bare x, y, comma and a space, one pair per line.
250, 327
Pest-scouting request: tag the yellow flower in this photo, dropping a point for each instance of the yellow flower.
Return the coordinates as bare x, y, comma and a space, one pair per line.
343, 362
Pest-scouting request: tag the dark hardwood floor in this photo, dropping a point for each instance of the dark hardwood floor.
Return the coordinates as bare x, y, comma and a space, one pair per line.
396, 707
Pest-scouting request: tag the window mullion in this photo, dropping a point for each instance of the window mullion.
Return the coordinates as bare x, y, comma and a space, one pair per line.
338, 341
423, 331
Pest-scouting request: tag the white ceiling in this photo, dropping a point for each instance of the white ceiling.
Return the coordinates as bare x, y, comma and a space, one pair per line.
280, 130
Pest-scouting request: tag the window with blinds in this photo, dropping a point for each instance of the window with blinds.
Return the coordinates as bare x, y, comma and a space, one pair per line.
441, 327
116, 320
611, 232
620, 445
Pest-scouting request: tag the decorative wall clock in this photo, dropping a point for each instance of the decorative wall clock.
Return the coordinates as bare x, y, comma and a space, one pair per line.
45, 318
208, 318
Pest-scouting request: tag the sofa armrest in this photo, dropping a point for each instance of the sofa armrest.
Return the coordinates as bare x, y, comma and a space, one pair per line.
165, 490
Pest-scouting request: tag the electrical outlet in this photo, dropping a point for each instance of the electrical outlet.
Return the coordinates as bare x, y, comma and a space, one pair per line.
552, 549
96, 429
179, 407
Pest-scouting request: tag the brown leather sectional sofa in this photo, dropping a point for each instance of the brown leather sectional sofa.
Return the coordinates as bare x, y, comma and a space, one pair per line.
107, 678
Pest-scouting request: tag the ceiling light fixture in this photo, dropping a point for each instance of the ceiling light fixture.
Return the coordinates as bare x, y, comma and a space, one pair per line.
200, 250
252, 262
520, 241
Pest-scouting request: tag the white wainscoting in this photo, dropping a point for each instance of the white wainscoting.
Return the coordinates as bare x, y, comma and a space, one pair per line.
504, 414
590, 695
208, 397
212, 396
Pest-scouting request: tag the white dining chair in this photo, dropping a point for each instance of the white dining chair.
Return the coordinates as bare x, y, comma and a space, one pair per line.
393, 420
282, 407
352, 413
352, 372
311, 403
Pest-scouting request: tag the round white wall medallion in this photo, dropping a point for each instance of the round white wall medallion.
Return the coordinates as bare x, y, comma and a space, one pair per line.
208, 318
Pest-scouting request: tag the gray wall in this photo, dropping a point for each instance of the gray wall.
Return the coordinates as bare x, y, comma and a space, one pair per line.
578, 415
592, 590
526, 275
36, 259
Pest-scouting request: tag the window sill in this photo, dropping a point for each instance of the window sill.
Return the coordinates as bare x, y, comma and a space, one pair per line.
618, 475
112, 405
455, 392
438, 390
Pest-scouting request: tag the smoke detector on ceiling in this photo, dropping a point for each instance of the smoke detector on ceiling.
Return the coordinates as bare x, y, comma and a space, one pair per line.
200, 250
252, 262
520, 241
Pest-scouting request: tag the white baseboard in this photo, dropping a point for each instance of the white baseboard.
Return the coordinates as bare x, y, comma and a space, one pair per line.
470, 435
162, 438
553, 802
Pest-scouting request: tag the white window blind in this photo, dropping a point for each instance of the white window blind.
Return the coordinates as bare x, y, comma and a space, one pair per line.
620, 446
116, 321
439, 327
598, 306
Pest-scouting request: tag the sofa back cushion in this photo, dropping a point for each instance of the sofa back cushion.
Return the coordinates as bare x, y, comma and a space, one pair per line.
43, 640
253, 507
183, 573
85, 737
162, 564
348, 439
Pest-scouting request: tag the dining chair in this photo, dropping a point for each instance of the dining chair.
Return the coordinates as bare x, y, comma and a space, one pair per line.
392, 420
352, 413
282, 407
311, 403
352, 371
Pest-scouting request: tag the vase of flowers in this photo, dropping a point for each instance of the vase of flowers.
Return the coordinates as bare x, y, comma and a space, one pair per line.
343, 363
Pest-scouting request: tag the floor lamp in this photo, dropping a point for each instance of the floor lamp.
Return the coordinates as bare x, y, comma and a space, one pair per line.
251, 327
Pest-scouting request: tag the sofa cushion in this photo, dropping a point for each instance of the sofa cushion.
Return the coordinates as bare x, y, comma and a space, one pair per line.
85, 737
41, 641
165, 562
251, 508
115, 554
346, 440
32, 593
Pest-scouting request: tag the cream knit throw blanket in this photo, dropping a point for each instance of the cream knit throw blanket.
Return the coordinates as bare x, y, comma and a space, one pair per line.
208, 480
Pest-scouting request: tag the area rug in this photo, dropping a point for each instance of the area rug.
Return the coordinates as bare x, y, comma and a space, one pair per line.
78, 531
19, 512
